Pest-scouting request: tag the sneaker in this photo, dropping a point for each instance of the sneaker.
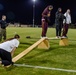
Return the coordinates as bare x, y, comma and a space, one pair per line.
44, 37
63, 37
57, 37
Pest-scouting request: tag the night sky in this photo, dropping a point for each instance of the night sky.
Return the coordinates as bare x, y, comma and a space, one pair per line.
22, 10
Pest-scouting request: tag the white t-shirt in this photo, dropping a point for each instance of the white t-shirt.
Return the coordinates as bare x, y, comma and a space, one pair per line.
68, 18
9, 45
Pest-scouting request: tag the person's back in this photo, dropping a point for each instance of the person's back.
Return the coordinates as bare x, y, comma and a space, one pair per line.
9, 45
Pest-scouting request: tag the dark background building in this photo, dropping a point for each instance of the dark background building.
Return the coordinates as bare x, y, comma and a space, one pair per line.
22, 10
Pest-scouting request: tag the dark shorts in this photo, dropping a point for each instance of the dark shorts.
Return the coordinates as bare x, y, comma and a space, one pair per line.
5, 57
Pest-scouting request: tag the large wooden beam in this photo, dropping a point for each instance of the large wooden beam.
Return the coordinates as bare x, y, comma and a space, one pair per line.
54, 38
28, 50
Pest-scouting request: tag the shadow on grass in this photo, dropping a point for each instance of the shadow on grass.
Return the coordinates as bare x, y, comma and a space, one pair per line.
50, 49
32, 38
10, 68
35, 55
70, 46
42, 52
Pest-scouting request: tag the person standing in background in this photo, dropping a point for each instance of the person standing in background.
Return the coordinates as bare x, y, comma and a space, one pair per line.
66, 23
45, 19
59, 22
3, 25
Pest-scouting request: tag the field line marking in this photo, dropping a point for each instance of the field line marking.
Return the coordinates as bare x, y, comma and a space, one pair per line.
47, 68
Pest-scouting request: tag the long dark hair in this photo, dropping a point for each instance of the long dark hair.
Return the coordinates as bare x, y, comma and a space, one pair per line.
16, 36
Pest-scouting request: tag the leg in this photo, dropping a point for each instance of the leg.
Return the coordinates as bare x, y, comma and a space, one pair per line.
4, 34
0, 37
67, 26
57, 30
5, 57
60, 28
0, 34
45, 27
64, 30
0, 62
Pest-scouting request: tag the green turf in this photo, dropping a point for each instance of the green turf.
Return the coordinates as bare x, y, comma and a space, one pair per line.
56, 57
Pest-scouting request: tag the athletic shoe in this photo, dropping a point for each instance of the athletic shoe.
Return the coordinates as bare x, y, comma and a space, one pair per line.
63, 37
57, 37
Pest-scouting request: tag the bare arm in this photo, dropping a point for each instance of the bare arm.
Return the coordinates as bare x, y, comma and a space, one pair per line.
12, 52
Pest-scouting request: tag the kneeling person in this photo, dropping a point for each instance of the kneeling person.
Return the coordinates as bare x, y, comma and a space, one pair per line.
7, 49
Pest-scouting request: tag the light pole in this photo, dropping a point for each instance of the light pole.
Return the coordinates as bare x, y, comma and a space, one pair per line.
34, 12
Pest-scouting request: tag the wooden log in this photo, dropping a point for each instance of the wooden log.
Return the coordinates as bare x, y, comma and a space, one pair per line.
26, 51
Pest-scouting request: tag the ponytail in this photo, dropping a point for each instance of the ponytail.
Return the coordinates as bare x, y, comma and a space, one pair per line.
15, 37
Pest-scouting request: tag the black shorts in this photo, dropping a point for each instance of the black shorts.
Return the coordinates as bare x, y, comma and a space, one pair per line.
5, 57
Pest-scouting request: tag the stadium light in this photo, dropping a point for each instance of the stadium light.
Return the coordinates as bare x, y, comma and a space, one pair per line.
34, 12
34, 0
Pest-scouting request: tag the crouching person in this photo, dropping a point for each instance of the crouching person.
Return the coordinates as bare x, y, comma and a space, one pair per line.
7, 49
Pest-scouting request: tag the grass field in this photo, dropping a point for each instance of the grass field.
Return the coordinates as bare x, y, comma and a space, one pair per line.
56, 57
